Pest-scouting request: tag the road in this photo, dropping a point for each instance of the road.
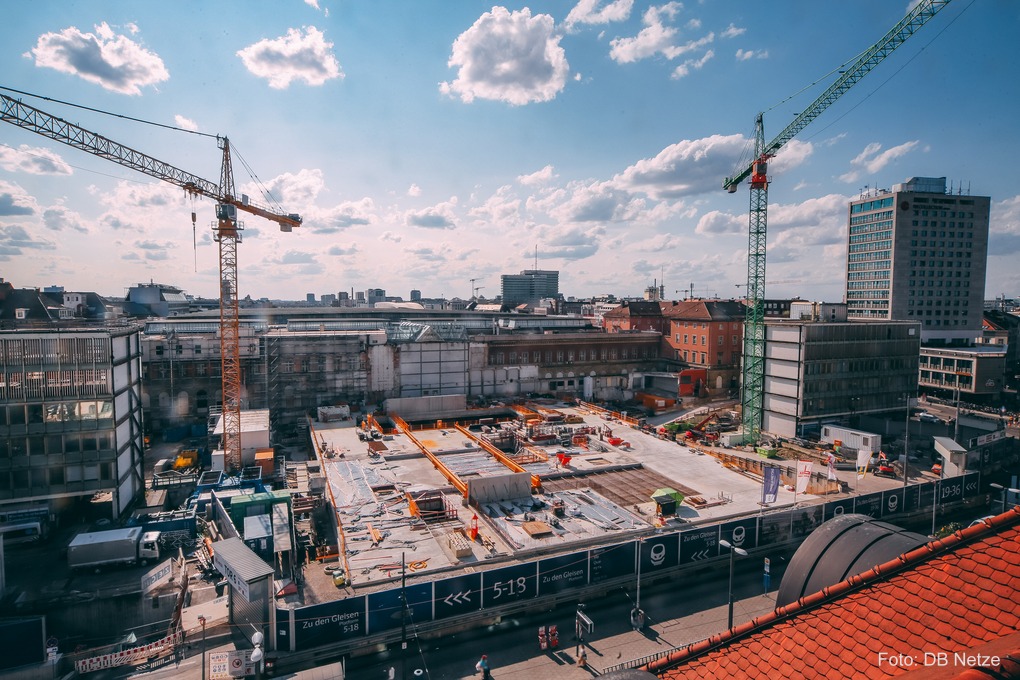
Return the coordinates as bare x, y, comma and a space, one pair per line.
680, 611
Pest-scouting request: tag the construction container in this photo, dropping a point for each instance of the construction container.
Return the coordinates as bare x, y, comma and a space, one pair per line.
258, 535
857, 440
265, 459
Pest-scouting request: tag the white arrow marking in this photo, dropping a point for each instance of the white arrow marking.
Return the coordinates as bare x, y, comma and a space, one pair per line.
458, 598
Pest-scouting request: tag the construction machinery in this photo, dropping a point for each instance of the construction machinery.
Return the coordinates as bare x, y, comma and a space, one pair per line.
752, 393
226, 232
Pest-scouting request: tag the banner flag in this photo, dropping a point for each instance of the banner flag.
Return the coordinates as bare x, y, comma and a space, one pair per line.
830, 462
804, 470
863, 458
770, 485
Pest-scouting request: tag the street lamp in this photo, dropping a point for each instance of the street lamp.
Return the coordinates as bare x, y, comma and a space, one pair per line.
734, 551
201, 620
906, 447
257, 655
1003, 493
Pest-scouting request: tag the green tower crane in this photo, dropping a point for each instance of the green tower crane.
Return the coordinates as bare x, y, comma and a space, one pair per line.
753, 378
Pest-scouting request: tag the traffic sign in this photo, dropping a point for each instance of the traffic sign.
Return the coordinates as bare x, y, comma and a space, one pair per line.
457, 596
584, 624
767, 563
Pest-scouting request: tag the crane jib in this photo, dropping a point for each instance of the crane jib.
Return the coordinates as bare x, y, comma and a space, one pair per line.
871, 58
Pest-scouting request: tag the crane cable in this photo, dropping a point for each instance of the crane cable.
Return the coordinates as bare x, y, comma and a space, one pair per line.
893, 74
741, 164
107, 113
251, 172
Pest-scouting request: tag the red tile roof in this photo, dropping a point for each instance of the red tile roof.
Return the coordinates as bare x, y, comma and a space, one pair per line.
957, 595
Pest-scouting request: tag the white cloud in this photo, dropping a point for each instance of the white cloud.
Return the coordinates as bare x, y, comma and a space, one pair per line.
414, 190
744, 55
59, 217
439, 216
872, 159
654, 38
341, 251
137, 206
686, 168
14, 201
339, 217
298, 56
589, 12
510, 57
685, 68
115, 62
793, 154
14, 239
185, 123
292, 189
502, 210
716, 222
312, 3
596, 202
732, 32
293, 257
539, 177
1004, 232
574, 243
33, 160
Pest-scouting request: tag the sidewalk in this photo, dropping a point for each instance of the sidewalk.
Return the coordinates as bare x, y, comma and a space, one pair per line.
657, 637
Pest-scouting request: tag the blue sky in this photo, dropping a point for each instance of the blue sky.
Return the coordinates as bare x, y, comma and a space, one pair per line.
427, 143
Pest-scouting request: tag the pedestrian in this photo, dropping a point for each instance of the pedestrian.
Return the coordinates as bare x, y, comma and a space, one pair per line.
483, 667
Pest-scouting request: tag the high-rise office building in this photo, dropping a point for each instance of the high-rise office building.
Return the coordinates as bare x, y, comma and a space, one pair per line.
918, 253
530, 284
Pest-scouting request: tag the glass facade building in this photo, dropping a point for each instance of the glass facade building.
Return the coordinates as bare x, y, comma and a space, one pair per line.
70, 415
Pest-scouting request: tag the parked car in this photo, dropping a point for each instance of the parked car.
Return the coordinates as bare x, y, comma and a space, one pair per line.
929, 418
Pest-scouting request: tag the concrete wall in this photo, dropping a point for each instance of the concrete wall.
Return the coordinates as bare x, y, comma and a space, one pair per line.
412, 407
502, 487
429, 368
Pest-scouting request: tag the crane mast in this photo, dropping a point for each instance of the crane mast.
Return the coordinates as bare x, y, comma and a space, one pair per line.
226, 231
753, 378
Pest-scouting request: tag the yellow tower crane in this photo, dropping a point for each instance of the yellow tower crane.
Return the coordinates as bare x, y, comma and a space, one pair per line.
226, 230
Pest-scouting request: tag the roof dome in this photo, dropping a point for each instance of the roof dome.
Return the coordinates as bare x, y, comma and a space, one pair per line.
842, 547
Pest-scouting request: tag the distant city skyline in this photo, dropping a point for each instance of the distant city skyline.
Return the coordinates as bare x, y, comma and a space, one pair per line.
602, 144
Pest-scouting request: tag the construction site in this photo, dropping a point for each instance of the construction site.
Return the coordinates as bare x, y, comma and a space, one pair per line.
467, 491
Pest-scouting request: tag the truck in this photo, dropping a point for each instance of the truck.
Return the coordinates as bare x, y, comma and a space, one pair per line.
97, 549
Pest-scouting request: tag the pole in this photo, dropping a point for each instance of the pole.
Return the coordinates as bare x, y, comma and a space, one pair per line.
729, 618
201, 619
906, 448
956, 428
403, 618
637, 599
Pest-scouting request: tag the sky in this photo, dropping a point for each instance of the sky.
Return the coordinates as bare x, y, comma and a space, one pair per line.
436, 145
